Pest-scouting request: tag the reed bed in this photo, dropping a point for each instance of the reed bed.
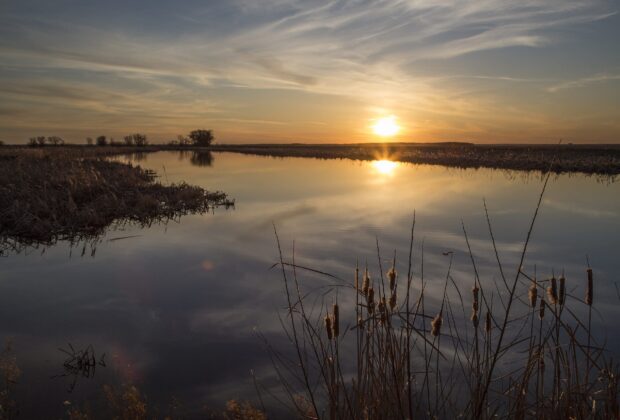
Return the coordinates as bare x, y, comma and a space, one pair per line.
519, 348
47, 196
587, 159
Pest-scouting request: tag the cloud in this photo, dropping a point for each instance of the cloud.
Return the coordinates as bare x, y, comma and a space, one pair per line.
583, 82
369, 51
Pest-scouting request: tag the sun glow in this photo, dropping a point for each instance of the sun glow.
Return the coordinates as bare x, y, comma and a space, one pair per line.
386, 126
384, 167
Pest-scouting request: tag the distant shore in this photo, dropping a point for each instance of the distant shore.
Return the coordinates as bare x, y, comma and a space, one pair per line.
588, 159
597, 159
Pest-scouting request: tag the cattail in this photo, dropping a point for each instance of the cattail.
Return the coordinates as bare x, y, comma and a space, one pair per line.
381, 307
541, 312
541, 364
360, 322
365, 282
487, 323
474, 318
475, 291
336, 321
552, 292
357, 279
436, 325
562, 295
328, 326
393, 300
392, 278
532, 294
590, 291
370, 300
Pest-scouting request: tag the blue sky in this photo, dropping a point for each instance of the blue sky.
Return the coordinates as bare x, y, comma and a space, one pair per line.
313, 71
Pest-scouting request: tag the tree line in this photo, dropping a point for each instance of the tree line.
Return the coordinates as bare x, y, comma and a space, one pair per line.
200, 138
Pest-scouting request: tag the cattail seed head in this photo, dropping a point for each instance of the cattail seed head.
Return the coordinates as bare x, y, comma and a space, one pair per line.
328, 326
474, 318
382, 310
436, 325
541, 312
393, 300
487, 323
475, 292
392, 278
336, 320
562, 293
370, 300
552, 292
532, 294
590, 290
357, 278
365, 283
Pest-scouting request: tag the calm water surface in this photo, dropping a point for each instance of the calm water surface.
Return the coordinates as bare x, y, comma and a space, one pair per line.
174, 307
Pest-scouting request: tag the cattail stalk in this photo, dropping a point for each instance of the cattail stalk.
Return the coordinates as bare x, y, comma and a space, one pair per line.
328, 327
487, 323
552, 292
436, 325
532, 294
365, 283
475, 305
590, 290
392, 278
371, 300
336, 320
562, 295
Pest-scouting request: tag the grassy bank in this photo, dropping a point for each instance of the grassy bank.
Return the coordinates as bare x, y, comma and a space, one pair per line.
72, 194
588, 159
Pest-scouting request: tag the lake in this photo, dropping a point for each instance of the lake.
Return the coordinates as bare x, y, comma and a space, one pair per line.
175, 308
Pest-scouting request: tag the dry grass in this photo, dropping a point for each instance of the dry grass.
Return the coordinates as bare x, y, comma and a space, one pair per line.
533, 356
50, 195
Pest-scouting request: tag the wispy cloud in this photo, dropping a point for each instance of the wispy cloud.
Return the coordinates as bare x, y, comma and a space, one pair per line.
583, 82
368, 51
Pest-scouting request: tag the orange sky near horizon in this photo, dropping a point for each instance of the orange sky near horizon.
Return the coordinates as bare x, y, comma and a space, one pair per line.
289, 71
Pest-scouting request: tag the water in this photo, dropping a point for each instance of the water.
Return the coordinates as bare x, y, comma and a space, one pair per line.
174, 308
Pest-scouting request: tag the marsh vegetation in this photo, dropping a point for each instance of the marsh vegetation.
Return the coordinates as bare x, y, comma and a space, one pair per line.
75, 194
587, 159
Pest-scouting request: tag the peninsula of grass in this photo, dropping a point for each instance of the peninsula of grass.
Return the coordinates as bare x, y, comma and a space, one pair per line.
567, 158
74, 194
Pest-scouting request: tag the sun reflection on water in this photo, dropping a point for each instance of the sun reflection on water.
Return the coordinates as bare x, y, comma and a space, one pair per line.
384, 167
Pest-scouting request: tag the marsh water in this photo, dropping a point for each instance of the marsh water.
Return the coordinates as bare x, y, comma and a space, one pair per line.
175, 308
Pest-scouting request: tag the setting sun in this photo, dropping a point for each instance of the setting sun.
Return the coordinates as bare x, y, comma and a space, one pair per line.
386, 126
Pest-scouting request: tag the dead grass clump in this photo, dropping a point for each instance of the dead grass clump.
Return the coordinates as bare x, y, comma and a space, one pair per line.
47, 196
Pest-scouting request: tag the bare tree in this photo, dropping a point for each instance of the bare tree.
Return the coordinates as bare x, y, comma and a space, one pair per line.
102, 141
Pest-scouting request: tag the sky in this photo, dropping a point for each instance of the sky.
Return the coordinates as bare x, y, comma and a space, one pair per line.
255, 71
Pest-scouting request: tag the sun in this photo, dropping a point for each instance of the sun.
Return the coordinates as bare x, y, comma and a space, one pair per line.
386, 126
